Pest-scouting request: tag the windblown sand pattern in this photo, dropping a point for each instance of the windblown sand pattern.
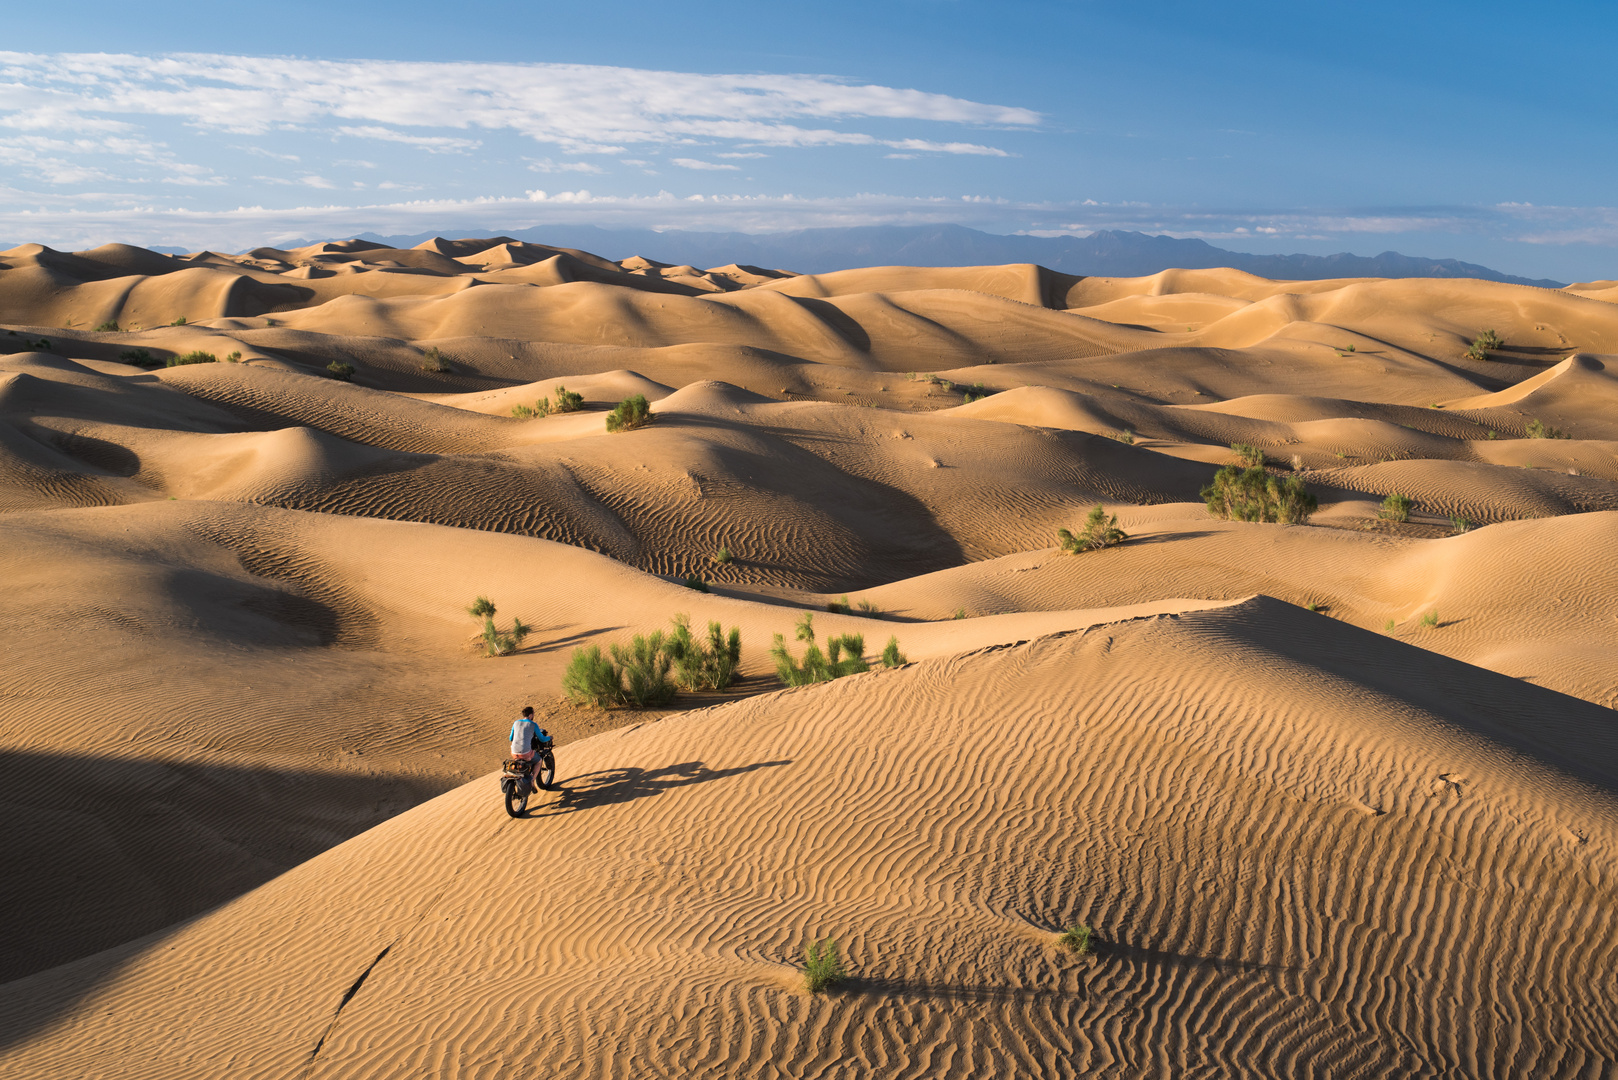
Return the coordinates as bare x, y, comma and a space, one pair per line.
1311, 845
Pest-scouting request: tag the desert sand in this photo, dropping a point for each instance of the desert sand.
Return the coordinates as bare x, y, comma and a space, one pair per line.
1338, 799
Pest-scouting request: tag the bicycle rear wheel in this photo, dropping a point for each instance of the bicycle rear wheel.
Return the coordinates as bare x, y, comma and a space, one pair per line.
516, 798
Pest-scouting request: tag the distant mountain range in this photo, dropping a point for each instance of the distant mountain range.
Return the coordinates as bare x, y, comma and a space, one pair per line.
1108, 253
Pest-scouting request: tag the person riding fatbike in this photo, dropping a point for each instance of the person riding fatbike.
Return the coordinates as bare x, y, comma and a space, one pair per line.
527, 737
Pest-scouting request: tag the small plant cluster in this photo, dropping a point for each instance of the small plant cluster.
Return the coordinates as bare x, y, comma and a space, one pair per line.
340, 371
496, 642
844, 655
695, 583
1248, 454
1538, 429
1252, 494
565, 401
109, 327
1078, 939
1484, 346
140, 358
1099, 531
639, 674
181, 321
1126, 436
434, 361
822, 967
195, 356
630, 413
42, 345
976, 393
722, 556
1396, 507
1459, 525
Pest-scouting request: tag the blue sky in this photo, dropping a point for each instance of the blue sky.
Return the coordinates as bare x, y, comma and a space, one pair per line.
1480, 131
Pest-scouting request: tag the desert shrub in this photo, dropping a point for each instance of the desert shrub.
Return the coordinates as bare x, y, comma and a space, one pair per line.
1126, 436
42, 345
340, 371
838, 607
178, 322
822, 967
1459, 525
567, 400
233, 357
645, 666
960, 613
435, 361
497, 642
1079, 939
1538, 429
1396, 507
692, 581
1484, 345
699, 664
1247, 454
592, 679
140, 358
195, 356
630, 413
1297, 463
891, 656
1388, 629
523, 412
869, 609
844, 655
109, 327
1099, 531
1311, 607
1429, 620
722, 556
1238, 494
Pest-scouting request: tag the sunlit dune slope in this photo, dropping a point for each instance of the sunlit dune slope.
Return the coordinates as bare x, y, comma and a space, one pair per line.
1308, 851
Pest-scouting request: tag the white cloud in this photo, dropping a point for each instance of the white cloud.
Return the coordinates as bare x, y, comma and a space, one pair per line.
574, 106
706, 166
748, 154
433, 144
546, 165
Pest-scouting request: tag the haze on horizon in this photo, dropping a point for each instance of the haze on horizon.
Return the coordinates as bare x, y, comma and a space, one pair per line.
1476, 132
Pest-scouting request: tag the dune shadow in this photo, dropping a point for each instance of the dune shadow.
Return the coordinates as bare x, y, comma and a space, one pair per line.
572, 639
610, 787
976, 993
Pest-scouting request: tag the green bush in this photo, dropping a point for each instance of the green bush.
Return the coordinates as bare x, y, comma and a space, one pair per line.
722, 556
630, 413
568, 401
1126, 436
891, 656
1099, 531
1252, 494
110, 327
140, 358
844, 655
435, 361
1484, 345
1396, 507
1459, 525
340, 371
700, 665
233, 357
1429, 620
178, 322
1079, 939
592, 679
644, 665
822, 967
960, 613
1247, 454
497, 642
1538, 429
196, 356
523, 412
692, 581
838, 607
869, 610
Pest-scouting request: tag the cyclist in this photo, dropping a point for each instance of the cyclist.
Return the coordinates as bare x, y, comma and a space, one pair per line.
526, 736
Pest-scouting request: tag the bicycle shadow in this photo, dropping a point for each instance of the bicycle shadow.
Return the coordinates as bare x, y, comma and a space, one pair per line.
610, 787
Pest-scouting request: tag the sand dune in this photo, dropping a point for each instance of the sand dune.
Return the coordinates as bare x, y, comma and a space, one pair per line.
1321, 876
1372, 839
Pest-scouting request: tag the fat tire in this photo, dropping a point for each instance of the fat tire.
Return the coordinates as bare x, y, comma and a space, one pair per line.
545, 773
516, 804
